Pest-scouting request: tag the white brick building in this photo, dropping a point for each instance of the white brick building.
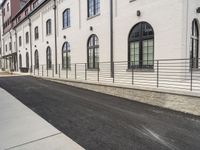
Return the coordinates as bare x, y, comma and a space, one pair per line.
163, 30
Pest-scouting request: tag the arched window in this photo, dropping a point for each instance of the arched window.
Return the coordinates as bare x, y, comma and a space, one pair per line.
66, 57
48, 27
27, 60
195, 44
20, 41
48, 58
66, 18
93, 52
36, 33
20, 60
141, 46
36, 59
27, 37
93, 7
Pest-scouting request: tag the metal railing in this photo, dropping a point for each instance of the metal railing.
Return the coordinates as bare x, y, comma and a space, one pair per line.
174, 74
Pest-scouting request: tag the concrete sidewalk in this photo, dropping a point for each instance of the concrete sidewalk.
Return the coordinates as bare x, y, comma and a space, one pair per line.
22, 129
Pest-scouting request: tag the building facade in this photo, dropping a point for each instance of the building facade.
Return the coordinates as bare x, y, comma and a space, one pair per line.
65, 32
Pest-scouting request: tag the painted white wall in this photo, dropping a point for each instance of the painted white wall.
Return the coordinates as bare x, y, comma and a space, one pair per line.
39, 19
171, 21
79, 32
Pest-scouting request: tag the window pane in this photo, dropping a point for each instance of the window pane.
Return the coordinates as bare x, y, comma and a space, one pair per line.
150, 42
96, 57
145, 56
150, 50
147, 30
134, 53
91, 7
136, 50
90, 58
97, 6
137, 60
68, 60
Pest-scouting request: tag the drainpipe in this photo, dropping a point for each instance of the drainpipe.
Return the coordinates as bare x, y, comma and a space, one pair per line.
3, 52
187, 29
55, 29
10, 60
10, 41
16, 49
30, 44
111, 39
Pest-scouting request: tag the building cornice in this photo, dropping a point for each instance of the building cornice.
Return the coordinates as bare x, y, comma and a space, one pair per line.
31, 13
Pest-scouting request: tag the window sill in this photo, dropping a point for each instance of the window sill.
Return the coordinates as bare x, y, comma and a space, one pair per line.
49, 34
140, 70
64, 69
66, 27
49, 69
93, 69
195, 69
91, 17
131, 1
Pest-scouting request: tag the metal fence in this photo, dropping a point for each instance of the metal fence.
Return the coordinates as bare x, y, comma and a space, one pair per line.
175, 74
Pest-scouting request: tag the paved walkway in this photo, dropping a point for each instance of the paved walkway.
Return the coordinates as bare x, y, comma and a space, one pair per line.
3, 73
22, 129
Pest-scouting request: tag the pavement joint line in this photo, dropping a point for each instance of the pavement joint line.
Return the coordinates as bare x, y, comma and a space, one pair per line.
10, 148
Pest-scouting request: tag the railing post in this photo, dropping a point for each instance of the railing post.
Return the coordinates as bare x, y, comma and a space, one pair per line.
52, 71
38, 70
34, 70
132, 73
157, 73
42, 71
47, 68
98, 72
59, 70
191, 75
75, 72
85, 71
66, 72
113, 64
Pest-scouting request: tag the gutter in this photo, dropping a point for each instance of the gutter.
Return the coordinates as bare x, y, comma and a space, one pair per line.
16, 49
111, 40
187, 30
31, 69
55, 30
11, 66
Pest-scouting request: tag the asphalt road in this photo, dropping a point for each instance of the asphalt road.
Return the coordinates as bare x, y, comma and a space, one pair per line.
102, 122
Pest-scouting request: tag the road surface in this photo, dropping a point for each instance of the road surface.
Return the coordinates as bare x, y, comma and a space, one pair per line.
102, 122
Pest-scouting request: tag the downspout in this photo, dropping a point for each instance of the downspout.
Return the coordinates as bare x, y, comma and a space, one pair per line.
10, 63
187, 30
55, 28
16, 49
30, 44
3, 54
111, 39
